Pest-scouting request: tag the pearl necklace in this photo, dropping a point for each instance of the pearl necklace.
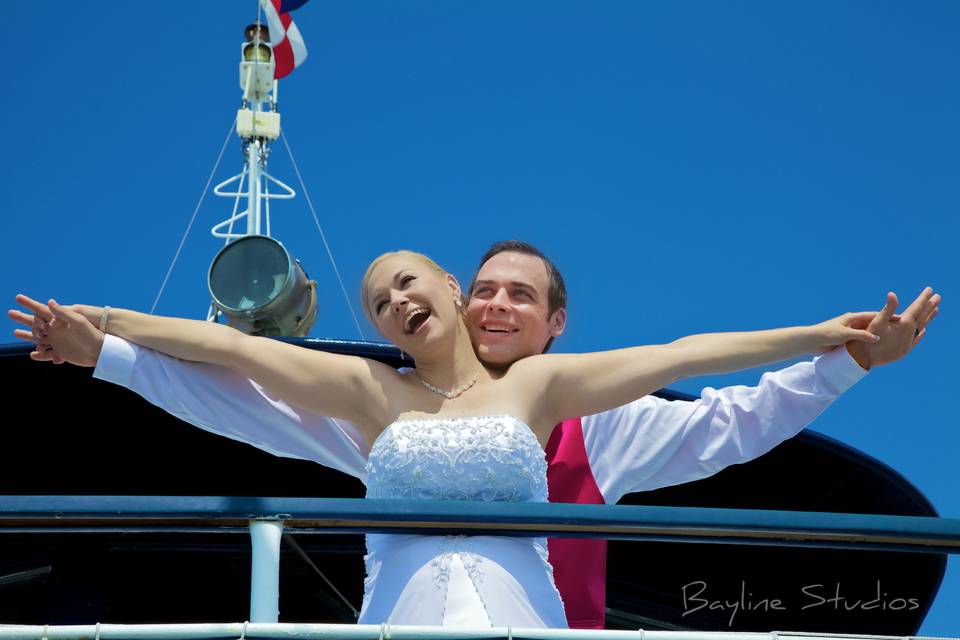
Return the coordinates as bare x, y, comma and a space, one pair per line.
453, 393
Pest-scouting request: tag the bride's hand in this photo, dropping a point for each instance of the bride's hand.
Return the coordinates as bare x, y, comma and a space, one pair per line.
850, 327
61, 333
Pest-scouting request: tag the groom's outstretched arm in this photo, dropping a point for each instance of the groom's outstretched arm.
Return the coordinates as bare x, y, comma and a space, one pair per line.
221, 401
653, 443
215, 398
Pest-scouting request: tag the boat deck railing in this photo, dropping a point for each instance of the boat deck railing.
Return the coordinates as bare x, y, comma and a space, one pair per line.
305, 631
267, 518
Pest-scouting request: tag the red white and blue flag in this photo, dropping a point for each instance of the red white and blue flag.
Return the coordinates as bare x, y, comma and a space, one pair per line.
289, 52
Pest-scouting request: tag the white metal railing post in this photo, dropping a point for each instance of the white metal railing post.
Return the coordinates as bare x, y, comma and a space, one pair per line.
265, 536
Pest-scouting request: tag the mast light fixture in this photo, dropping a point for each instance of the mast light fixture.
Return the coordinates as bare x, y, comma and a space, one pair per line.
256, 63
261, 289
255, 32
257, 52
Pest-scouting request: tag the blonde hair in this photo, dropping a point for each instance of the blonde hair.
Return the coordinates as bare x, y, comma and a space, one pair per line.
405, 253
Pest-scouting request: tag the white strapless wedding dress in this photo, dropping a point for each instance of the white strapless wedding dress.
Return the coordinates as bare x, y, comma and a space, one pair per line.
457, 580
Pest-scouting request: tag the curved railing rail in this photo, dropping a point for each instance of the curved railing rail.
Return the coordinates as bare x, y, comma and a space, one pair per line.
266, 519
615, 522
293, 631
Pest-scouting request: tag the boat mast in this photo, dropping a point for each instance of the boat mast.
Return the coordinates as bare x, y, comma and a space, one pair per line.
258, 125
259, 286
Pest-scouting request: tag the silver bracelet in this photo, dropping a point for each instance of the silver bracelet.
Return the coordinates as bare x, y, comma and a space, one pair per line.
104, 316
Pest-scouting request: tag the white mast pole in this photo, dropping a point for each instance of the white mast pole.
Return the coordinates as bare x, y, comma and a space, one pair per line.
253, 160
253, 188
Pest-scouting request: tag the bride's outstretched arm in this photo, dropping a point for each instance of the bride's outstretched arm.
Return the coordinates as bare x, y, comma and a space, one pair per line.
328, 384
585, 384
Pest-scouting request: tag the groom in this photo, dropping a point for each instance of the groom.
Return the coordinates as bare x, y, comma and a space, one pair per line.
516, 308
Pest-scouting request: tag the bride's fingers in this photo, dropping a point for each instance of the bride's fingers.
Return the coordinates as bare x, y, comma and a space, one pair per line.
60, 314
862, 336
860, 318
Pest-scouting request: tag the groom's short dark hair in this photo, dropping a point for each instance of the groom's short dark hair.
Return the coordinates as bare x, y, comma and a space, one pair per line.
556, 291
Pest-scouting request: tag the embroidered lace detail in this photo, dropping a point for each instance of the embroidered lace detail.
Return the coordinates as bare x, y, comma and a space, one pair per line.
488, 458
456, 545
477, 458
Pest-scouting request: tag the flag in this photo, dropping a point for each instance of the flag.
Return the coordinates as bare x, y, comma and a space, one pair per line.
289, 52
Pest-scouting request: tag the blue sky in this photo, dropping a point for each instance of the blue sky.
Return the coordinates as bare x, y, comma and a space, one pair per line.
691, 166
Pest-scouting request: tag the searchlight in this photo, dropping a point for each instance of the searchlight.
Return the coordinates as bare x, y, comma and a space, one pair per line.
261, 289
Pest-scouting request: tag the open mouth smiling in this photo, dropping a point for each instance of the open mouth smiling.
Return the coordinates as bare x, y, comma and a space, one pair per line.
415, 320
498, 327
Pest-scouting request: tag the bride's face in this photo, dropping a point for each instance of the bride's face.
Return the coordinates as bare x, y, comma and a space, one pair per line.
411, 303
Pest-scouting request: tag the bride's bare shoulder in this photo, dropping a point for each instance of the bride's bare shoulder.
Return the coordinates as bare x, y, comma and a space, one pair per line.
532, 366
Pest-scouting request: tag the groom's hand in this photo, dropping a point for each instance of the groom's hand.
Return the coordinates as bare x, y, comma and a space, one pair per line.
60, 333
898, 334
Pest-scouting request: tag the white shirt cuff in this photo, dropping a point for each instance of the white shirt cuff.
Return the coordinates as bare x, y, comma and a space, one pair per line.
116, 361
840, 369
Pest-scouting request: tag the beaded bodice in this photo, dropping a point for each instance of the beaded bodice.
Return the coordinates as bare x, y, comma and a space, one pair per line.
490, 458
467, 581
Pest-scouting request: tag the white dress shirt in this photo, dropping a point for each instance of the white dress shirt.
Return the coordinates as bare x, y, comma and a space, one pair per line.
647, 444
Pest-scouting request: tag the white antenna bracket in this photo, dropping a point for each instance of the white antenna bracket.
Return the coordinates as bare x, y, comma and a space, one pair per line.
258, 124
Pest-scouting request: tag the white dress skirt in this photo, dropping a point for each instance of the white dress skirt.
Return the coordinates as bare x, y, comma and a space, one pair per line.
475, 581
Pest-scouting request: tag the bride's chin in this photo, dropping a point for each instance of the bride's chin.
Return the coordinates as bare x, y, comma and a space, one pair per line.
430, 344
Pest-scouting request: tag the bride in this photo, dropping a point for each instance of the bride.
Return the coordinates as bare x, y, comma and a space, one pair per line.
451, 429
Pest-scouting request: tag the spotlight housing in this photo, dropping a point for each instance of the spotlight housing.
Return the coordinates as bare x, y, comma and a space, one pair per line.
261, 289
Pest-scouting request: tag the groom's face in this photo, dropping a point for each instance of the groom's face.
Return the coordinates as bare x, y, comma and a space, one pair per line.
508, 311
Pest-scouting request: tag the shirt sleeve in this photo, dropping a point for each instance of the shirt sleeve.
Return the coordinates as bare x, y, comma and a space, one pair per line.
221, 401
652, 442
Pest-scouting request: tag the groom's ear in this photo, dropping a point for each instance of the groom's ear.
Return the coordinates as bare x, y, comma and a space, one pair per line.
557, 322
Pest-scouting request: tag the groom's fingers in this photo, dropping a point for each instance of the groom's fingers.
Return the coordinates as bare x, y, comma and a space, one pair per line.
932, 305
21, 317
916, 307
25, 335
43, 356
889, 308
860, 319
919, 337
38, 308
